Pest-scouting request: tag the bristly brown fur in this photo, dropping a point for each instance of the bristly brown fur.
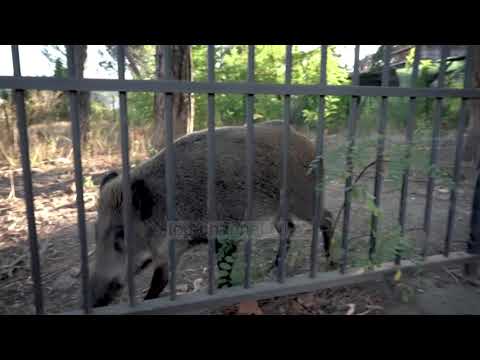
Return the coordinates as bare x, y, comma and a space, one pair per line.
149, 221
111, 196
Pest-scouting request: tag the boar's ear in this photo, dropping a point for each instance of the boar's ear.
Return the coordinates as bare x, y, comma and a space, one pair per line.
142, 199
107, 177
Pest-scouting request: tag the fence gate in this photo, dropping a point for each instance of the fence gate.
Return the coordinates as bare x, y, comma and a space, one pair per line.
311, 281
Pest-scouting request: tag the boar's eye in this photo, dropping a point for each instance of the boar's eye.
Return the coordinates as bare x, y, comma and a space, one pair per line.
119, 234
118, 244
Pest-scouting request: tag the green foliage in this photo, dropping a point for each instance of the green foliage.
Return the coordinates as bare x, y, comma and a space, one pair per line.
232, 264
5, 95
101, 107
229, 264
390, 244
60, 69
398, 157
231, 66
49, 106
140, 108
398, 108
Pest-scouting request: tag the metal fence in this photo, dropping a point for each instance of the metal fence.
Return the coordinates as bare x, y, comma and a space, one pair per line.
314, 280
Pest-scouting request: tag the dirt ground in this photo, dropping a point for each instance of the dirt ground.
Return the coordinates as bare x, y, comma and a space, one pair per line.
441, 292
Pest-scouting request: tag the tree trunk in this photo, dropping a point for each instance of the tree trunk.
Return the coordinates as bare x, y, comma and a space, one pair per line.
182, 103
472, 144
83, 96
8, 127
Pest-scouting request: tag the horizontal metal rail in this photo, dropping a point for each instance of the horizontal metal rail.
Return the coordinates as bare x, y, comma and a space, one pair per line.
190, 303
176, 86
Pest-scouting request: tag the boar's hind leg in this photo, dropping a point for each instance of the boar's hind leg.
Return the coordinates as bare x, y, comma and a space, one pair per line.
326, 226
158, 283
291, 230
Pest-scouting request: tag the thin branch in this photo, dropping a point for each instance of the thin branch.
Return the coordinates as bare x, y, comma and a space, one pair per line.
359, 176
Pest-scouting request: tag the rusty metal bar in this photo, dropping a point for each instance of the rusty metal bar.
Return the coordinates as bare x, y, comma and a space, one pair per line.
27, 185
126, 189
352, 125
379, 165
284, 174
170, 174
434, 151
211, 207
72, 58
408, 139
319, 194
179, 86
467, 82
250, 158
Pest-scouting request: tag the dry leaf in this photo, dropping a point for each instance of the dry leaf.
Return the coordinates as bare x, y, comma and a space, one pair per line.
398, 275
351, 309
249, 308
182, 288
197, 284
296, 308
307, 300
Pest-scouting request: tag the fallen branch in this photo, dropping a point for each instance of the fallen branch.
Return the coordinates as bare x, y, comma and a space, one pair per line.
10, 268
451, 274
351, 309
370, 308
359, 176
306, 308
12, 195
249, 308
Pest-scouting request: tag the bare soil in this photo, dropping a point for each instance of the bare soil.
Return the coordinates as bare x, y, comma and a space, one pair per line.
441, 292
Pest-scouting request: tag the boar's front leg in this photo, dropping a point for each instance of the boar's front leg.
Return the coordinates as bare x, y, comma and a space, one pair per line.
290, 230
158, 283
160, 274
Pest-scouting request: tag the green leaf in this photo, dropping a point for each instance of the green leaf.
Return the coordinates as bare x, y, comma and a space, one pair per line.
358, 192
222, 273
222, 281
225, 266
372, 207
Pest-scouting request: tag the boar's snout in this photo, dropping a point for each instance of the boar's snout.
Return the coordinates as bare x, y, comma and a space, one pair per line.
104, 291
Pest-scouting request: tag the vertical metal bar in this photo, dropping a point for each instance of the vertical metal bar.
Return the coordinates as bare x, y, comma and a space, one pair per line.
434, 151
352, 124
250, 159
170, 174
284, 175
467, 83
318, 194
127, 198
72, 58
27, 185
211, 206
379, 165
408, 140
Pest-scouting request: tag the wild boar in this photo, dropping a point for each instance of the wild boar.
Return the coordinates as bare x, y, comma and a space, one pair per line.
148, 189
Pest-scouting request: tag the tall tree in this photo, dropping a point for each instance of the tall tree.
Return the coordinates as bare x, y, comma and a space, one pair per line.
472, 147
182, 103
138, 60
6, 111
84, 96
